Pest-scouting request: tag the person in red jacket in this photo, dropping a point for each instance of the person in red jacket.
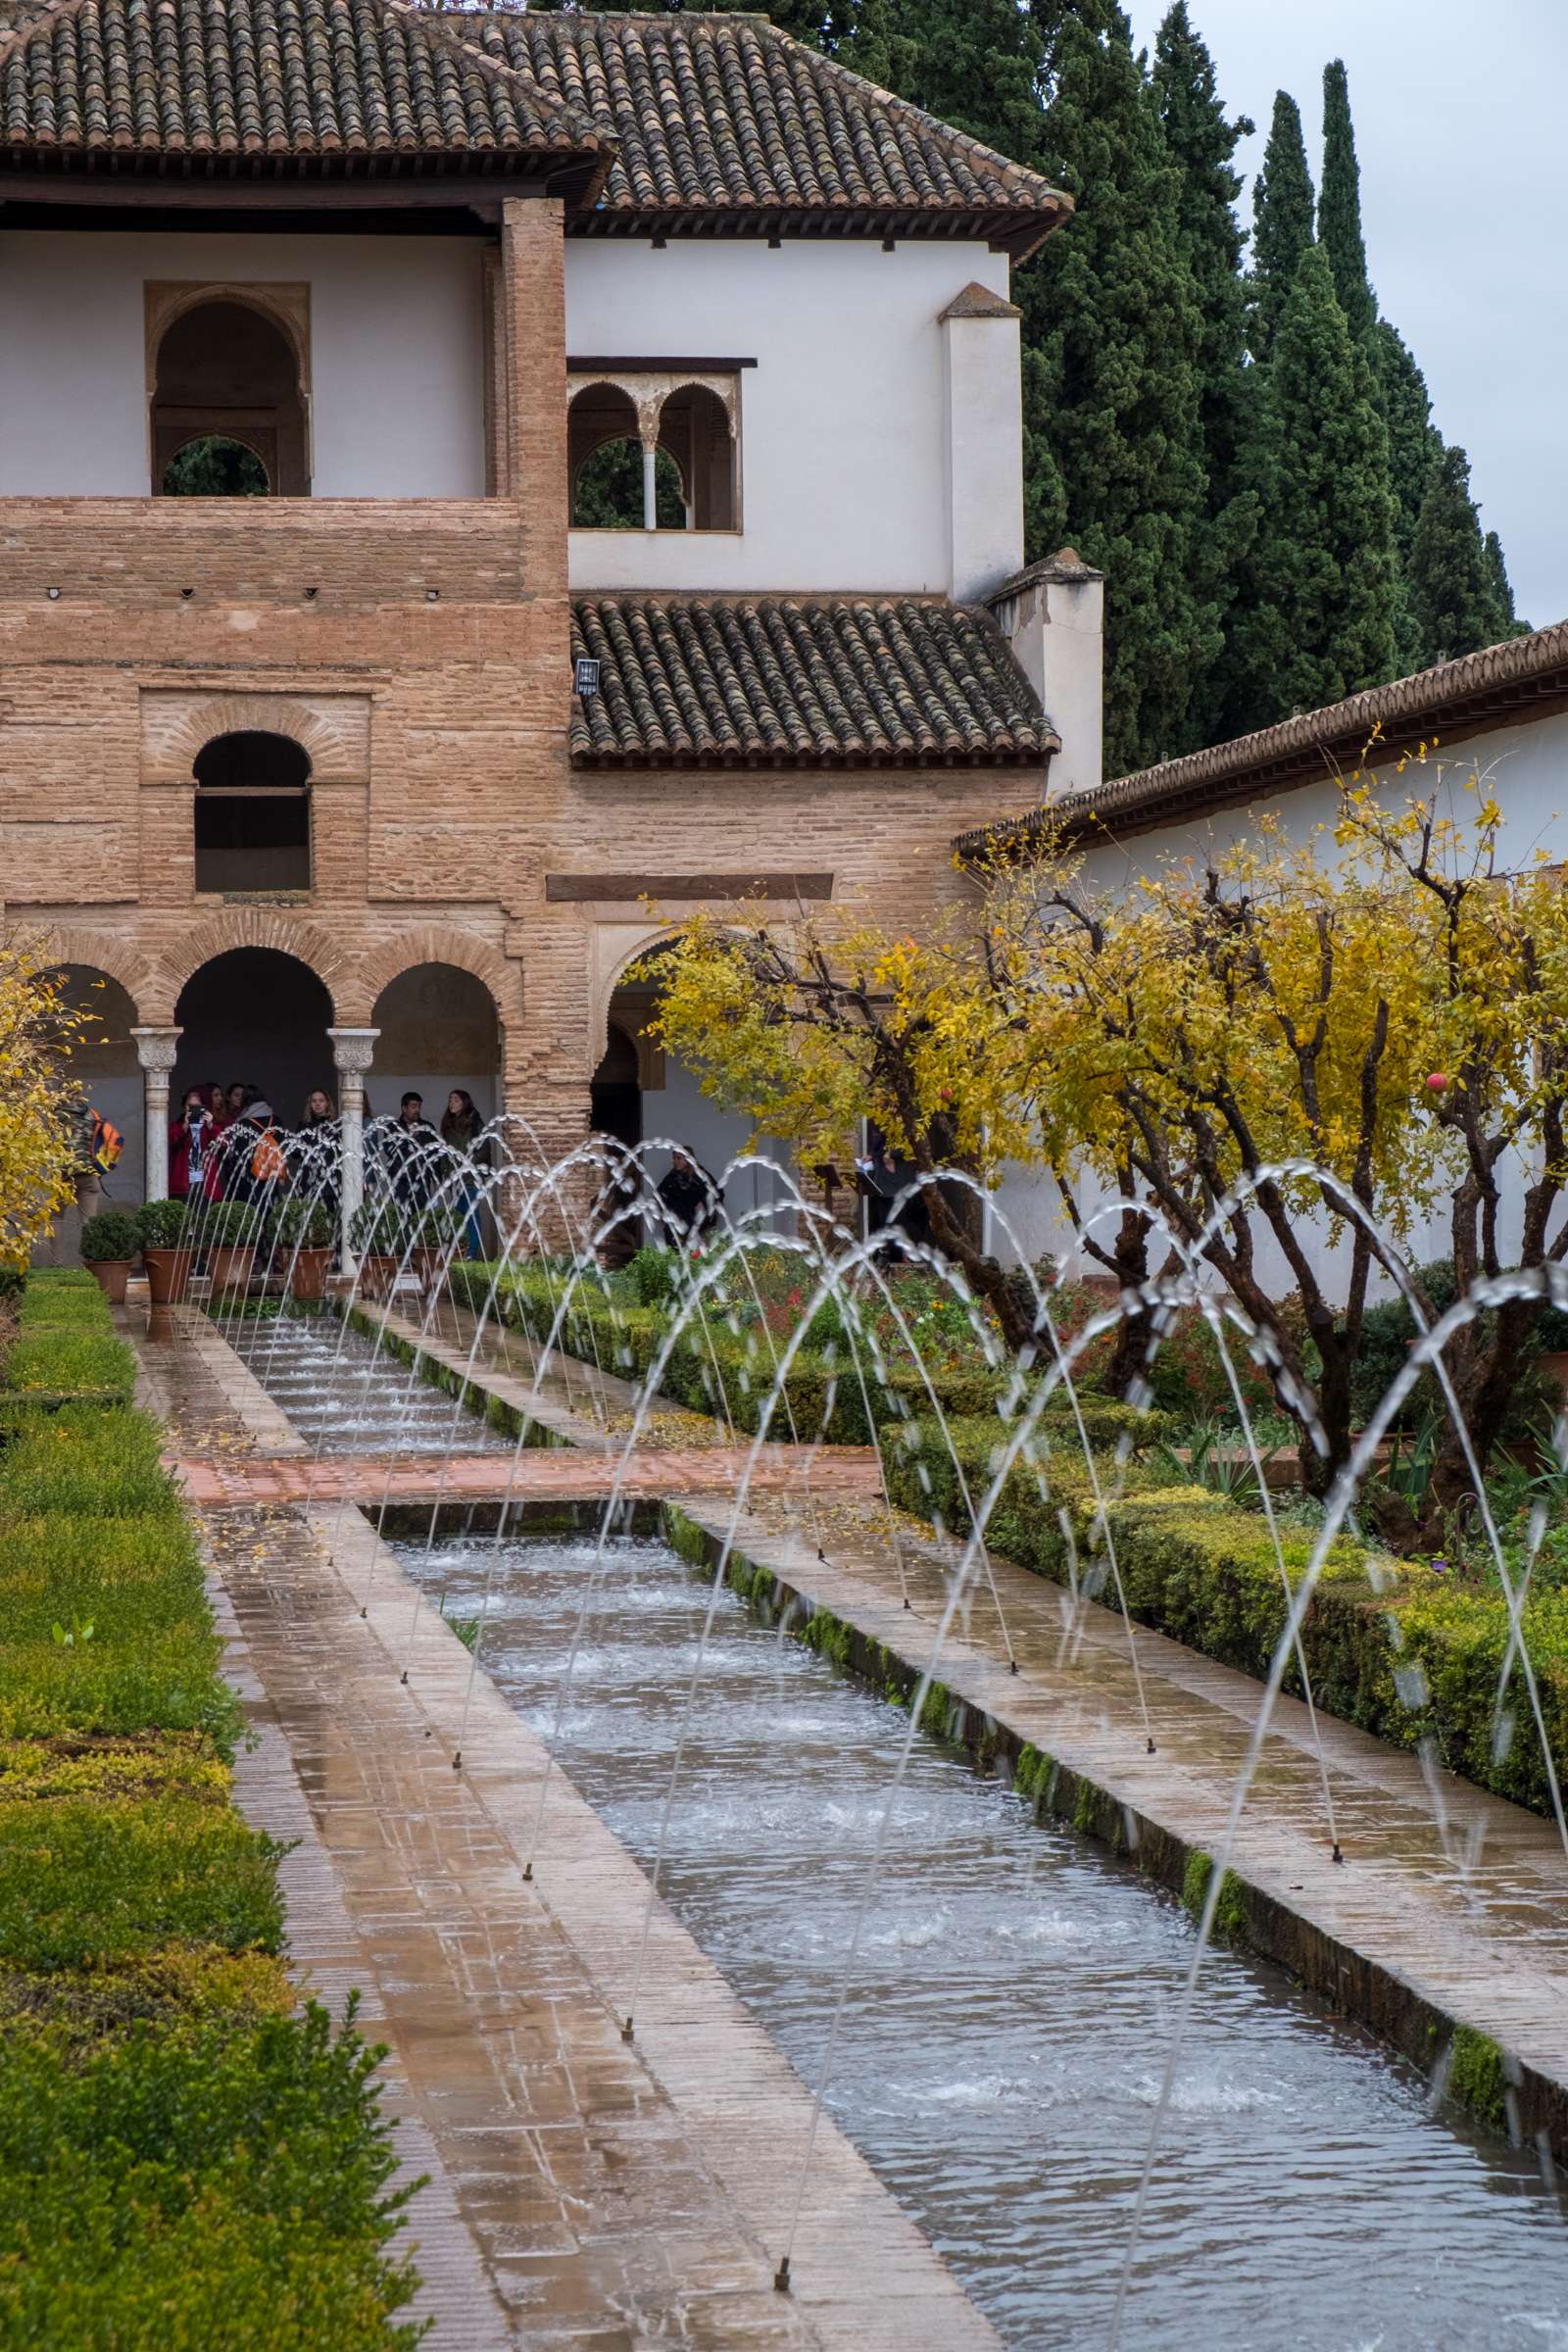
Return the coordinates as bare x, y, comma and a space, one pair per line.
189, 1136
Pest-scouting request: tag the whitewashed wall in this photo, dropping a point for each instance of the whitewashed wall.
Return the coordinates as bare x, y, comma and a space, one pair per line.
1525, 768
396, 361
842, 433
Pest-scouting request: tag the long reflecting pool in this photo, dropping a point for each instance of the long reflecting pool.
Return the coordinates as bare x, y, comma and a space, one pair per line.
1012, 2004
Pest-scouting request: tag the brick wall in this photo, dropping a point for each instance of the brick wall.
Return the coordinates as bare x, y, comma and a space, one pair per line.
437, 841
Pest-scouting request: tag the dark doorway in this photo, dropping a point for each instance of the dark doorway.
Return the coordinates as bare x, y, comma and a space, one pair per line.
253, 815
616, 1103
262, 1017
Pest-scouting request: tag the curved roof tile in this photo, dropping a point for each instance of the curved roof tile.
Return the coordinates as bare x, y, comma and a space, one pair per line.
696, 681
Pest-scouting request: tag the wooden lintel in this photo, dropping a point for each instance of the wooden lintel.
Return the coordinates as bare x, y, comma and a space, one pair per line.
632, 889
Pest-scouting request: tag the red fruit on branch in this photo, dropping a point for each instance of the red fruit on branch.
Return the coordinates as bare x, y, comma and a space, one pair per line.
1438, 1083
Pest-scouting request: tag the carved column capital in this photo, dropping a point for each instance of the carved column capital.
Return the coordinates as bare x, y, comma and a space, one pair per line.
156, 1049
353, 1050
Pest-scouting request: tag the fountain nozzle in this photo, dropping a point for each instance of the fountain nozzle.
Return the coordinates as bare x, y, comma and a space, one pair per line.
1012, 1665
625, 2031
781, 2276
1338, 1856
1151, 1747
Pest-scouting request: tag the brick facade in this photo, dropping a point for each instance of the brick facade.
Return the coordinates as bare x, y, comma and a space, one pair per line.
418, 649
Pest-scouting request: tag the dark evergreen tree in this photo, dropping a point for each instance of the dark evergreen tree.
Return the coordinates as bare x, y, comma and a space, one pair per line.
1282, 223
1415, 442
1453, 590
1114, 455
1202, 141
1317, 617
1338, 207
1505, 621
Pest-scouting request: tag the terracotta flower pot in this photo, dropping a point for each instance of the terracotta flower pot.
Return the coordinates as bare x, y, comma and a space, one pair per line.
167, 1275
427, 1263
377, 1274
110, 1274
232, 1268
306, 1274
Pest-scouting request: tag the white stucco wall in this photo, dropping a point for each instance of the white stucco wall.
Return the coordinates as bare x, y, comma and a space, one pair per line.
396, 357
1525, 768
843, 418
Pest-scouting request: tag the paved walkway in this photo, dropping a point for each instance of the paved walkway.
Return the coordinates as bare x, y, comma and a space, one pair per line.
229, 1481
609, 2194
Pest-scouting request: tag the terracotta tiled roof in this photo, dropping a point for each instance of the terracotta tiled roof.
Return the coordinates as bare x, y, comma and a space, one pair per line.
266, 78
1525, 677
724, 116
766, 682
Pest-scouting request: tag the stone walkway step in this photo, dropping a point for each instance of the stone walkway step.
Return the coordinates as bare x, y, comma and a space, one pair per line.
232, 1482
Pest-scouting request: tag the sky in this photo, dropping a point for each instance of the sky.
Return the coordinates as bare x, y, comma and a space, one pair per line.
1462, 139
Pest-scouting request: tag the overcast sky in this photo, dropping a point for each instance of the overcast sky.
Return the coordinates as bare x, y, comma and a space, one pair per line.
1462, 138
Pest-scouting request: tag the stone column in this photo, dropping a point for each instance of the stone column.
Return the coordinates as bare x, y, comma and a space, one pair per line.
352, 1049
154, 1051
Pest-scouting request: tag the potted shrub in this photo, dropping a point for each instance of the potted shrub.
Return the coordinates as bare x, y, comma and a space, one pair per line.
230, 1234
109, 1243
162, 1228
436, 1242
376, 1236
302, 1243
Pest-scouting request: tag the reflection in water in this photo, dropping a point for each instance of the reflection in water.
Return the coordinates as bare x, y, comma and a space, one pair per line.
1005, 2039
345, 1397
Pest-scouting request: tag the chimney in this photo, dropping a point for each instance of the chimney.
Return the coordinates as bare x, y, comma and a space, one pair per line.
1052, 618
981, 394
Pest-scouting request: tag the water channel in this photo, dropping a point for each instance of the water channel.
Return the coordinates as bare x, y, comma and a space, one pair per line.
1012, 2006
1015, 1989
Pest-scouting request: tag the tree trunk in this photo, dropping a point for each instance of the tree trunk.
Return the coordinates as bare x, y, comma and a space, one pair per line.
991, 1280
1484, 1387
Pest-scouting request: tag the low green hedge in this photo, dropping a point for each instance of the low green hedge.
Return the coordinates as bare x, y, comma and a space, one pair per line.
197, 2188
64, 1342
713, 1371
185, 2159
1418, 1659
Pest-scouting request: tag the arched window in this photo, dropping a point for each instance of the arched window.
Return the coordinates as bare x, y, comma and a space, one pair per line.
227, 373
253, 815
694, 428
605, 457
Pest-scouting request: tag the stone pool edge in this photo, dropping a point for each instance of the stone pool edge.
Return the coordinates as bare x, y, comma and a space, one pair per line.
1479, 2074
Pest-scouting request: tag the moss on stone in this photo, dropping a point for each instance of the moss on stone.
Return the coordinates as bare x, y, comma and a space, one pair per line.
1194, 1882
933, 1710
1478, 2074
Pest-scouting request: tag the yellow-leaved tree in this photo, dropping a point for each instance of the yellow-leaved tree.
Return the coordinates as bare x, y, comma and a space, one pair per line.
40, 1121
1379, 1008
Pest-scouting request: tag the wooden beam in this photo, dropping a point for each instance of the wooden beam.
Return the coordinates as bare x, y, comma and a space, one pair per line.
573, 890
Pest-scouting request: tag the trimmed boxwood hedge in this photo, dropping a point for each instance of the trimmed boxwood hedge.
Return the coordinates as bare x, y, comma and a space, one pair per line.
1412, 1658
185, 2159
716, 1373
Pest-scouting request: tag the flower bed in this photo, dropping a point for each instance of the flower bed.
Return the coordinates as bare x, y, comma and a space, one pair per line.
184, 2158
1413, 1659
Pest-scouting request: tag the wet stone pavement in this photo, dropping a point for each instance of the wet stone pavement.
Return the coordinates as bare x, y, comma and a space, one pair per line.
588, 2191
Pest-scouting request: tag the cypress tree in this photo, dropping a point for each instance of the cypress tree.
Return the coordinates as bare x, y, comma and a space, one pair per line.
1338, 207
972, 63
1201, 142
1453, 589
1282, 223
1505, 621
1114, 455
1415, 442
1322, 587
